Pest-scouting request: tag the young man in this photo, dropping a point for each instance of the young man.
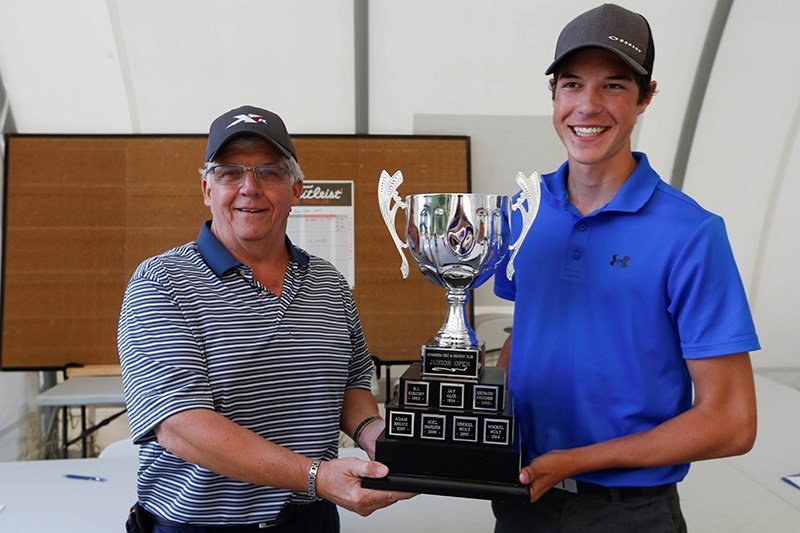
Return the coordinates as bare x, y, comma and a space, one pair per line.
243, 356
632, 332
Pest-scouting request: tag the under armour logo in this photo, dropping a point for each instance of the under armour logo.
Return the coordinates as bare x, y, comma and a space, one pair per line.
250, 118
623, 261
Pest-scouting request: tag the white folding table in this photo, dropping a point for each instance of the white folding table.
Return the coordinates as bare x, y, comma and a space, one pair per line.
83, 392
37, 497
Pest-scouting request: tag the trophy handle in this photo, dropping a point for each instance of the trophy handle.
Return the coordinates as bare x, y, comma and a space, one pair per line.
531, 191
387, 191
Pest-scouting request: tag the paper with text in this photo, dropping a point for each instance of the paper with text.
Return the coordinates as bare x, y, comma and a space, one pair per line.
323, 224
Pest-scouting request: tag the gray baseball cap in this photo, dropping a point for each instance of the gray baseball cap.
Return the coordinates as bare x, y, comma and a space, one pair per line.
613, 28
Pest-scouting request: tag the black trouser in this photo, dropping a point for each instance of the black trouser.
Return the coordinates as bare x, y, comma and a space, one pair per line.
617, 511
321, 516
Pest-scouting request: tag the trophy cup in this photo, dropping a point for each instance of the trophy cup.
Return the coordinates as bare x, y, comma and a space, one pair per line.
450, 430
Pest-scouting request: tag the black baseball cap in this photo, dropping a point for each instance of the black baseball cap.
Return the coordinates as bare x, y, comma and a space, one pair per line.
613, 28
249, 120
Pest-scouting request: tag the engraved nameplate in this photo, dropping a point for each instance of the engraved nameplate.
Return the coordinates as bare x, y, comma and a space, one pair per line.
401, 424
463, 363
416, 393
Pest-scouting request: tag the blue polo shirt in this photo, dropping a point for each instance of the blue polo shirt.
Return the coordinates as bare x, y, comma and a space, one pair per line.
607, 308
197, 331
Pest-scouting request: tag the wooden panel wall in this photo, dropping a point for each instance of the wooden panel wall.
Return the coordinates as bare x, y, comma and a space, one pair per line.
81, 212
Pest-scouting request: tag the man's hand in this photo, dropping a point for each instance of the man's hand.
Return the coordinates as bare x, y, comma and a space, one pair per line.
339, 481
544, 472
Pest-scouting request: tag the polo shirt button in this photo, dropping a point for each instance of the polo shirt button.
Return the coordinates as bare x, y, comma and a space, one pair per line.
582, 226
576, 255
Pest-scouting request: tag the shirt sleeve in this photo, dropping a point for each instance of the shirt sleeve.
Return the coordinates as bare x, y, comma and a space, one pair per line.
163, 368
360, 370
707, 297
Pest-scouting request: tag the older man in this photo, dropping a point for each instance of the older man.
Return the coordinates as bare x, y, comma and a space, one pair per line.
243, 356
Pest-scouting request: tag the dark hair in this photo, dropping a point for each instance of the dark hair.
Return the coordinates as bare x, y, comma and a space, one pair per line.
642, 81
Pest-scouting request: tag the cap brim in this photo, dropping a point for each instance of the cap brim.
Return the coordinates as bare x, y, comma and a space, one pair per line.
639, 69
250, 133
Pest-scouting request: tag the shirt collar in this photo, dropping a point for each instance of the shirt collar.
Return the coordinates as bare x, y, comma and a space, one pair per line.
220, 260
631, 197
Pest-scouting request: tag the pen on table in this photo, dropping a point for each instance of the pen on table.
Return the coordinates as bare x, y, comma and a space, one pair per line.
87, 478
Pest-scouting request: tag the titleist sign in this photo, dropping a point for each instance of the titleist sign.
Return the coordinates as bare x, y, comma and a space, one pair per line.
337, 193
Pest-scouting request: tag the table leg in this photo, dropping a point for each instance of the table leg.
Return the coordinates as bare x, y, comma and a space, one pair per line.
388, 384
84, 436
64, 432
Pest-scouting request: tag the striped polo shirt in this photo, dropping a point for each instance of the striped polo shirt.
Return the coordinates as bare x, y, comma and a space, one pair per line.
197, 331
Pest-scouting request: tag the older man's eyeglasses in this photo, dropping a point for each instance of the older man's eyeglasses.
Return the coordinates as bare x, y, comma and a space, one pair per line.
233, 175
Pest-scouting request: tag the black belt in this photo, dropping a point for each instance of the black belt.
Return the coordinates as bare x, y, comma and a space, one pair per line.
583, 487
288, 512
244, 528
241, 528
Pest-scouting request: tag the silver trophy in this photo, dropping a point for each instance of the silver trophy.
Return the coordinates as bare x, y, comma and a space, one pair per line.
457, 241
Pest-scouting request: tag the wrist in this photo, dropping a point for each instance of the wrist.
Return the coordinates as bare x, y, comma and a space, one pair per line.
362, 426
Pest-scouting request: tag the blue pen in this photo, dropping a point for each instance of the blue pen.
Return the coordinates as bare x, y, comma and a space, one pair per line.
86, 478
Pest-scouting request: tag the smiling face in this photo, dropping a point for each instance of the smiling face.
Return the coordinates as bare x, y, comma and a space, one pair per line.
248, 217
595, 106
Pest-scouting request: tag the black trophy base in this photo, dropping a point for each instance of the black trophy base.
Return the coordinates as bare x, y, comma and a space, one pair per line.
460, 488
449, 469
